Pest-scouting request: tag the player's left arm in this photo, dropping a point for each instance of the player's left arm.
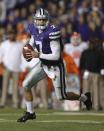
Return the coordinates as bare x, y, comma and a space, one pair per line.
55, 45
55, 48
54, 37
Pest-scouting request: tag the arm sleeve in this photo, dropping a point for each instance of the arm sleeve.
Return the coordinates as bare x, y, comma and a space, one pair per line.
31, 41
55, 55
28, 30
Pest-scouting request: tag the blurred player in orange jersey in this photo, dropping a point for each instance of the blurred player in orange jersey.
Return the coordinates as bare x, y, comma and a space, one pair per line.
75, 47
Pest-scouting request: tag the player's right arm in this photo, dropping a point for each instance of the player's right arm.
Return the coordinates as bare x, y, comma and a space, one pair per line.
28, 50
31, 41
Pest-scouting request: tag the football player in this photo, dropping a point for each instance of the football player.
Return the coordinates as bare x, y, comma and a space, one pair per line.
46, 41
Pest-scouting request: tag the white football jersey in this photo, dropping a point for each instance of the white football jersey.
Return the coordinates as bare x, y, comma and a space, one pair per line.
75, 51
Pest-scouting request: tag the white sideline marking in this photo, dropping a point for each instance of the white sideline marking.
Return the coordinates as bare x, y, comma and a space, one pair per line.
59, 114
72, 121
80, 113
58, 121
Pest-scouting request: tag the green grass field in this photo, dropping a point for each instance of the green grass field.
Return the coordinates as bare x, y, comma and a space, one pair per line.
52, 120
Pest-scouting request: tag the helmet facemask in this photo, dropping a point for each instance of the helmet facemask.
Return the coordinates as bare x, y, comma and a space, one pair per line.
41, 24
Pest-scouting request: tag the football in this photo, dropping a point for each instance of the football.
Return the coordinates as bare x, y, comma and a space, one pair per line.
26, 49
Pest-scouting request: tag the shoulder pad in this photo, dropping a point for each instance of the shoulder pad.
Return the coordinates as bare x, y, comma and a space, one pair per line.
54, 33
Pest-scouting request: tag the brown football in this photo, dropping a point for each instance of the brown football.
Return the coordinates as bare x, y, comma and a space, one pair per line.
25, 50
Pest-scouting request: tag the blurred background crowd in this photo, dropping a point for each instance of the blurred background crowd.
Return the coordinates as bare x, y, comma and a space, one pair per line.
82, 29
84, 16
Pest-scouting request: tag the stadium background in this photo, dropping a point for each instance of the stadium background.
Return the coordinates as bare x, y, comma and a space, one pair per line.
83, 16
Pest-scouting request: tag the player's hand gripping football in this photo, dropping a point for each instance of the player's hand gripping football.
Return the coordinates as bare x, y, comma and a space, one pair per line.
32, 54
29, 52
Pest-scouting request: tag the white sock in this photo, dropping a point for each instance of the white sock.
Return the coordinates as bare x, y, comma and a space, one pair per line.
83, 98
29, 106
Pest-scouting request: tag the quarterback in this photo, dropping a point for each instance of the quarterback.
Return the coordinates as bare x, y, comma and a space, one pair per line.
46, 42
